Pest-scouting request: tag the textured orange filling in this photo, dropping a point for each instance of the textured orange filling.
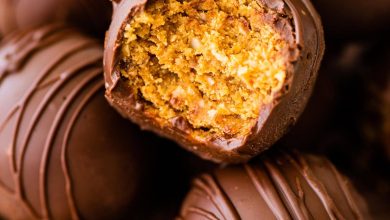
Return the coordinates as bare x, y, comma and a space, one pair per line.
213, 63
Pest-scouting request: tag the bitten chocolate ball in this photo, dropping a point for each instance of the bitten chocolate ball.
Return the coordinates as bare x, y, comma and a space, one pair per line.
90, 15
276, 186
64, 153
223, 78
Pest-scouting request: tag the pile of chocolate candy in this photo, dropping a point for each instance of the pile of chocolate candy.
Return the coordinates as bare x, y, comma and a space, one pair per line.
137, 109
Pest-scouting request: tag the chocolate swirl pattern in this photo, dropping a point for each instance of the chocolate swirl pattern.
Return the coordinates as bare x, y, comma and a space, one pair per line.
55, 137
279, 185
207, 185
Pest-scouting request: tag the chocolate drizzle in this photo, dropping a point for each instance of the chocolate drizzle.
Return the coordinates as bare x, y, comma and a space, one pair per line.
207, 185
17, 51
19, 109
303, 168
279, 185
270, 195
18, 48
43, 168
295, 204
346, 189
68, 180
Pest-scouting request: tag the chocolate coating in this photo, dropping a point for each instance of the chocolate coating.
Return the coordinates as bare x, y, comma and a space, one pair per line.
276, 186
274, 120
93, 16
60, 157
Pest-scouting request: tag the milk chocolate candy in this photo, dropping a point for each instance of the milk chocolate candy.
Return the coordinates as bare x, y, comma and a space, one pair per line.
60, 156
224, 79
276, 186
92, 16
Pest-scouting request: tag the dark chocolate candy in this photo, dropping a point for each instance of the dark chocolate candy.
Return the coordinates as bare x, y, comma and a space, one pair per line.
276, 186
64, 153
91, 15
274, 119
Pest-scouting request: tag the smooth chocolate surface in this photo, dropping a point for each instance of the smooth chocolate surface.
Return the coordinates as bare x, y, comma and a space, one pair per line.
274, 119
279, 185
64, 152
92, 16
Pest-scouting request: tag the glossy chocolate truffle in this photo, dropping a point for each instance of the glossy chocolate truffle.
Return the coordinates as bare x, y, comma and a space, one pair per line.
90, 15
276, 186
64, 153
224, 105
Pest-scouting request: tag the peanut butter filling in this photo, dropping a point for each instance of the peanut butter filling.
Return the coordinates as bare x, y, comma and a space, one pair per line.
212, 63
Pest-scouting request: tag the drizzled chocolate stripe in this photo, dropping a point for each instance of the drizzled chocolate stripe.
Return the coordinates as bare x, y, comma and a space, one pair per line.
18, 164
267, 191
25, 45
202, 212
294, 203
18, 48
346, 190
49, 140
281, 185
65, 169
208, 187
303, 167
